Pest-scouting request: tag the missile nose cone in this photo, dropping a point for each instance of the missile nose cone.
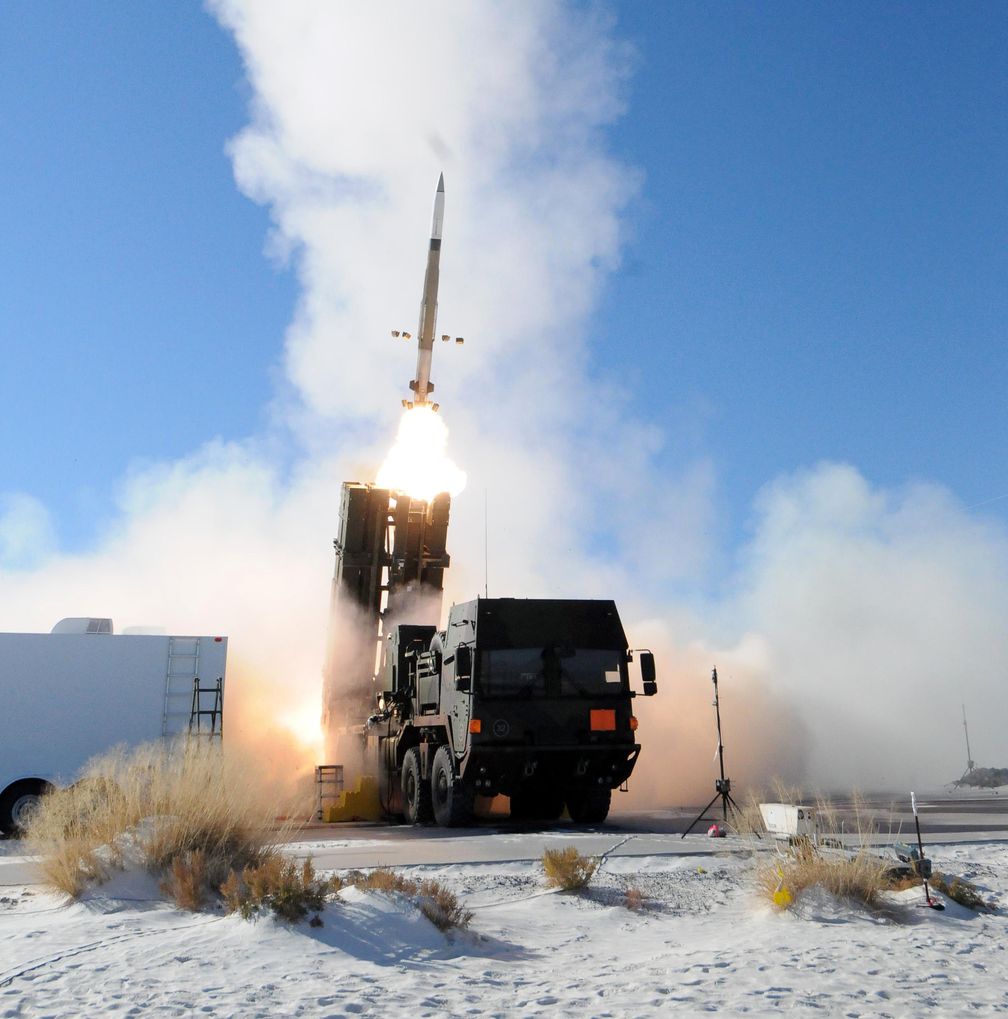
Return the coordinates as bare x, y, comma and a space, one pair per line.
438, 210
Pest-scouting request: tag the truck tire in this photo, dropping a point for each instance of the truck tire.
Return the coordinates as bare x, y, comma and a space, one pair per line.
589, 806
416, 793
453, 800
17, 803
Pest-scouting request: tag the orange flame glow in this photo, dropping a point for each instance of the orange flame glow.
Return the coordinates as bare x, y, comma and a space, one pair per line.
418, 462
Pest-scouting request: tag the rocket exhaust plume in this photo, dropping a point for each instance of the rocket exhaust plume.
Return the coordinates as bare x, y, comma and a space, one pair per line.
418, 463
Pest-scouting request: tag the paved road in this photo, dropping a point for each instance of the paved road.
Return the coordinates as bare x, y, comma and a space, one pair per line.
652, 833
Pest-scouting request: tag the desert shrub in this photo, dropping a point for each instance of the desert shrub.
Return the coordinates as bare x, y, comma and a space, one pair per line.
155, 805
436, 902
861, 877
382, 879
186, 880
567, 869
633, 899
441, 906
278, 884
958, 889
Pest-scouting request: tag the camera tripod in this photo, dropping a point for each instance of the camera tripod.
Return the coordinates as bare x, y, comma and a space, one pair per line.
722, 785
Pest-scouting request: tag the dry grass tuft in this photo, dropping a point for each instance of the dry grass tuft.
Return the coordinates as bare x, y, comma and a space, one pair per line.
441, 907
382, 879
633, 899
785, 793
186, 881
747, 819
185, 811
958, 889
567, 869
436, 902
860, 878
278, 884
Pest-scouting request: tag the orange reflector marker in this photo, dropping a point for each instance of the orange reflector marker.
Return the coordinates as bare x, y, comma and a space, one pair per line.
633, 723
475, 725
603, 720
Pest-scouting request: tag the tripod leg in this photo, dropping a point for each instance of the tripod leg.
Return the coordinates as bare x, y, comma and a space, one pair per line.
696, 820
735, 807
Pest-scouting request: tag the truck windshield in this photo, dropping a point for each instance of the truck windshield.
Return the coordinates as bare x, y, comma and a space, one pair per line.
551, 672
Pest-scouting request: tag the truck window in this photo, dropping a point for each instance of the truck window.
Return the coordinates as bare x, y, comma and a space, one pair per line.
551, 672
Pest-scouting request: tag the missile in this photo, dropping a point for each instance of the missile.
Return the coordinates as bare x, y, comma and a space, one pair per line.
421, 386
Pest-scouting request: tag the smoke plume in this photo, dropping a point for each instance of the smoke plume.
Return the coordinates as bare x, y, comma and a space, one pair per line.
856, 619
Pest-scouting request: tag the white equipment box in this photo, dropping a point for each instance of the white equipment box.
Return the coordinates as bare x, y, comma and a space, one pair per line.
69, 695
788, 819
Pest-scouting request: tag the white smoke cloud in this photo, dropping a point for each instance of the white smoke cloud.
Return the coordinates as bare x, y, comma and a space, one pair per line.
858, 617
26, 530
881, 610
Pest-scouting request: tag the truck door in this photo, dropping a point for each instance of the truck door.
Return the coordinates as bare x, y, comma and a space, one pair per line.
457, 691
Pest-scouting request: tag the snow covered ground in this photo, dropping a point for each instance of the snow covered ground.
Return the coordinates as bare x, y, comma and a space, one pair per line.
704, 942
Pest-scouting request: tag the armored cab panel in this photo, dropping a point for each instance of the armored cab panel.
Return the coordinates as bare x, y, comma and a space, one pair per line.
504, 623
399, 657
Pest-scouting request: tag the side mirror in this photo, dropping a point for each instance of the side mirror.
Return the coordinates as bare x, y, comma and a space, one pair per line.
647, 670
463, 667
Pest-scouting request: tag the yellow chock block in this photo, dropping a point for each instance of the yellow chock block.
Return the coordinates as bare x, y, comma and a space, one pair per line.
357, 804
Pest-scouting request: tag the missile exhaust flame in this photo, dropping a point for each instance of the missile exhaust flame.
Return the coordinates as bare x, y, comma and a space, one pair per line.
418, 462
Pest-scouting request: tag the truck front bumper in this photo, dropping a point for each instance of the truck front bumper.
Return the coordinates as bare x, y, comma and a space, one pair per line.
501, 769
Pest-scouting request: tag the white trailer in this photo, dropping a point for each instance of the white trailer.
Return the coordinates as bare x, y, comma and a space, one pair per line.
80, 690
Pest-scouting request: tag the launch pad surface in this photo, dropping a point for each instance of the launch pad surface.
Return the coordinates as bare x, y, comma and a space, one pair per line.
944, 819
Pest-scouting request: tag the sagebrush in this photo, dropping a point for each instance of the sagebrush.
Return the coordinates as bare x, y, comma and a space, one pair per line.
958, 889
567, 869
634, 900
290, 890
436, 902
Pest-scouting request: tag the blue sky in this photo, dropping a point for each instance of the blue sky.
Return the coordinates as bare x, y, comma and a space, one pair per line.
815, 267
819, 267
138, 315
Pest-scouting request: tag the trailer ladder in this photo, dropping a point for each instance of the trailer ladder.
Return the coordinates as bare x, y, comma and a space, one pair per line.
182, 671
214, 714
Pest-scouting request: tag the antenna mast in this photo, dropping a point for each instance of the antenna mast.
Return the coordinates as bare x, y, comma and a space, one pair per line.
722, 785
970, 764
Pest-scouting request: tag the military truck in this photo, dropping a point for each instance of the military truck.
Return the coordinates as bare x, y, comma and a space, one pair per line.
526, 698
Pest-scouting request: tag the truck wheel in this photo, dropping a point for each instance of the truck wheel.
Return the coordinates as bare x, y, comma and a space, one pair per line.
416, 793
18, 802
589, 806
453, 799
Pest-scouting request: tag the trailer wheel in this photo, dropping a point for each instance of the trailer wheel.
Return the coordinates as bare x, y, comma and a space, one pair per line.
453, 799
18, 802
589, 806
416, 793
